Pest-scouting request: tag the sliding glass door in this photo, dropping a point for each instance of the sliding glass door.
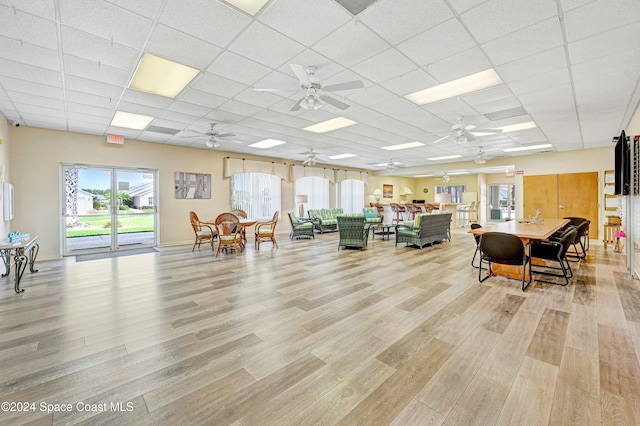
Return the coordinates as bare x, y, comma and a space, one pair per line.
502, 201
107, 208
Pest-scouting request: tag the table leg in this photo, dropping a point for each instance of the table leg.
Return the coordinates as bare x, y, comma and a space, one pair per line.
21, 265
6, 258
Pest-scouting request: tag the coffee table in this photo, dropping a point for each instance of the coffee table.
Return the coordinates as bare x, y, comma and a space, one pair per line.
381, 229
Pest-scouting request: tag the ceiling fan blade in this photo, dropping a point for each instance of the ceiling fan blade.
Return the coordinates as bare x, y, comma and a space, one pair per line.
297, 105
469, 136
192, 136
441, 139
301, 73
336, 103
349, 85
225, 135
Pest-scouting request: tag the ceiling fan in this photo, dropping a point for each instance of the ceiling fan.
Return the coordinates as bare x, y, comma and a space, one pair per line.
214, 137
391, 165
313, 88
481, 157
462, 133
311, 159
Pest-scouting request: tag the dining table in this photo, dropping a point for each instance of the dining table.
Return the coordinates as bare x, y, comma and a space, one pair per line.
528, 231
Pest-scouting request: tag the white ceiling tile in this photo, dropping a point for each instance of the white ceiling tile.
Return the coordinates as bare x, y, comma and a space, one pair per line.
237, 68
526, 42
97, 49
453, 39
88, 118
32, 29
42, 8
497, 105
449, 109
251, 42
602, 66
325, 67
464, 5
540, 63
600, 16
147, 8
394, 106
74, 65
177, 46
410, 82
93, 100
31, 87
207, 20
139, 109
560, 95
384, 66
80, 84
285, 84
497, 18
28, 53
618, 40
261, 99
87, 109
78, 126
201, 98
371, 96
351, 44
144, 98
45, 122
417, 16
22, 71
538, 82
189, 108
43, 107
306, 21
239, 108
220, 86
460, 65
106, 20
424, 121
487, 95
270, 116
177, 119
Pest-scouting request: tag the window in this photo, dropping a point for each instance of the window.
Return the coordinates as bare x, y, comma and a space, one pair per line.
258, 194
455, 191
150, 201
351, 195
317, 191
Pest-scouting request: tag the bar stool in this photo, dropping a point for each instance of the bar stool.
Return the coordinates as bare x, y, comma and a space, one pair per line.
462, 215
397, 210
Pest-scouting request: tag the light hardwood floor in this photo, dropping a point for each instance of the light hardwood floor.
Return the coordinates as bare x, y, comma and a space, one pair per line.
308, 335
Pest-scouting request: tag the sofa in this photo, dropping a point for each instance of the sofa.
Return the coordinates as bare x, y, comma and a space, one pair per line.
426, 229
325, 220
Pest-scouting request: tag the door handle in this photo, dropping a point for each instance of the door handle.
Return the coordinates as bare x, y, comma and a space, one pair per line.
561, 207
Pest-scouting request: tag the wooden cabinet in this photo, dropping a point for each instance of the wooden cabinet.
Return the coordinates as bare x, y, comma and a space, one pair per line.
564, 195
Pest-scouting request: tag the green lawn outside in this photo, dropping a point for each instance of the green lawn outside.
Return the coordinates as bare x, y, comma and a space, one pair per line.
126, 225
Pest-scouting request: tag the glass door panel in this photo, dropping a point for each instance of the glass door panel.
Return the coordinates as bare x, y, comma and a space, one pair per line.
502, 201
107, 209
136, 212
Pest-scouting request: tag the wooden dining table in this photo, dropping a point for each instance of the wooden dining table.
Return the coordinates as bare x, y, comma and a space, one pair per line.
527, 232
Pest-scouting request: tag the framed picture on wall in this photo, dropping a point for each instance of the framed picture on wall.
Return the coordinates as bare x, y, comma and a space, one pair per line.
193, 185
387, 191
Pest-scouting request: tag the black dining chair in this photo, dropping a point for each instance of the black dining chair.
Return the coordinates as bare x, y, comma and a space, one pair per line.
505, 249
554, 251
477, 238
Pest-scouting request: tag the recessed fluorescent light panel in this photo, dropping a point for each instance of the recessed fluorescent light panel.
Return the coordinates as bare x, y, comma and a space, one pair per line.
402, 146
446, 157
340, 156
267, 143
457, 173
527, 148
422, 175
329, 125
250, 6
161, 76
516, 127
461, 86
131, 121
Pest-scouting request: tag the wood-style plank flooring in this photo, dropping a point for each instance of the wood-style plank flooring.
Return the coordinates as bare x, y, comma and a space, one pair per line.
307, 335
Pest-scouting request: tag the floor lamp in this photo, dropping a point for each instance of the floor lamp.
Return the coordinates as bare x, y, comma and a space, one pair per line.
301, 199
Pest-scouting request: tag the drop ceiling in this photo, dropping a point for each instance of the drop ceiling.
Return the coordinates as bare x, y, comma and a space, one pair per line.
570, 66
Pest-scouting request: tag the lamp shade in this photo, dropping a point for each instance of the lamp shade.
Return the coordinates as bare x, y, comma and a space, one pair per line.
301, 198
378, 192
443, 198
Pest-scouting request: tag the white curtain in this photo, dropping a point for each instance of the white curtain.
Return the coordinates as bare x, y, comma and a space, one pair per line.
351, 195
317, 191
258, 194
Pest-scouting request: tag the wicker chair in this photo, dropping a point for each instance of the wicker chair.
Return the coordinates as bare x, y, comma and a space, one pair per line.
353, 231
229, 232
371, 215
426, 229
266, 231
300, 228
204, 232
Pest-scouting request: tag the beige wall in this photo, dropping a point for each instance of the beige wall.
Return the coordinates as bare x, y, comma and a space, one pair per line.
37, 181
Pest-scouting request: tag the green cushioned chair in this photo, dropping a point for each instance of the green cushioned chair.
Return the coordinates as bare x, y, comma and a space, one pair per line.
426, 229
300, 228
371, 215
354, 231
324, 220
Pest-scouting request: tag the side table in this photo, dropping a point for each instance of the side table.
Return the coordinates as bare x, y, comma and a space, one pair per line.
23, 252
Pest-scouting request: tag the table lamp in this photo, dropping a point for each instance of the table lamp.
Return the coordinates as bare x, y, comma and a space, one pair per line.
301, 199
377, 194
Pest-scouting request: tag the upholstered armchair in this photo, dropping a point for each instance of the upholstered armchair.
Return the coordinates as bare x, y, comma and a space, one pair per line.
354, 231
371, 215
426, 229
300, 228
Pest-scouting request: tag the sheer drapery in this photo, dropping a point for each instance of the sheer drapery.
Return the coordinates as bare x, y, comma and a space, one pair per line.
316, 189
258, 194
455, 191
351, 195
